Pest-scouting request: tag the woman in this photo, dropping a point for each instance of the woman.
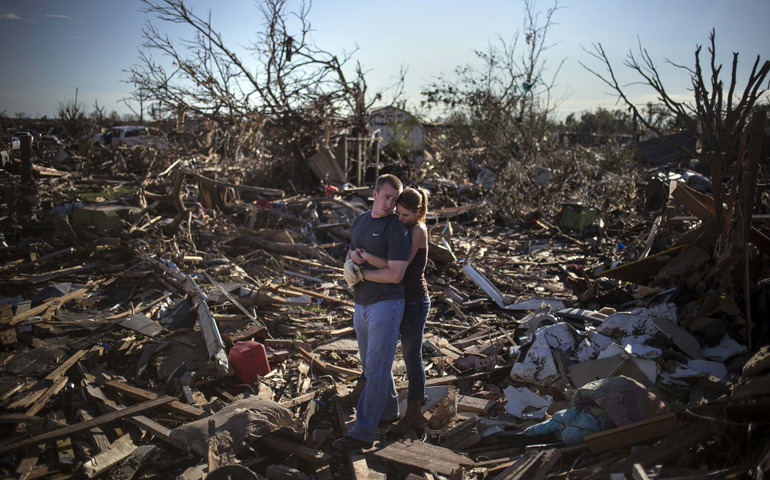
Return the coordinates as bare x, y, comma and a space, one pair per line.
411, 209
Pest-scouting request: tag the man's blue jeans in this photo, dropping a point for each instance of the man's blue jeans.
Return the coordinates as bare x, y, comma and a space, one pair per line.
412, 326
376, 328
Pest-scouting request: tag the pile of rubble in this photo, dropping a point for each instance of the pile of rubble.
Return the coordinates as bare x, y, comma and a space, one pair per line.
594, 343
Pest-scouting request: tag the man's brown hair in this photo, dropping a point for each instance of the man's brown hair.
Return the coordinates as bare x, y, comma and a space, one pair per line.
391, 180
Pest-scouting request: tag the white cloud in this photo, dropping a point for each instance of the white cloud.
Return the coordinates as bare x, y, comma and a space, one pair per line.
65, 17
9, 16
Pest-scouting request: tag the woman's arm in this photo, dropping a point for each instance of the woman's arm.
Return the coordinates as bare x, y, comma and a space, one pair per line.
393, 273
378, 262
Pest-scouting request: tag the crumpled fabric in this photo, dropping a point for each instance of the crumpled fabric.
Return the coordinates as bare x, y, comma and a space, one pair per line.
623, 399
599, 406
569, 426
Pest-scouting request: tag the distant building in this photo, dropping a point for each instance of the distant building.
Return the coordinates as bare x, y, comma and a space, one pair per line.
392, 122
656, 151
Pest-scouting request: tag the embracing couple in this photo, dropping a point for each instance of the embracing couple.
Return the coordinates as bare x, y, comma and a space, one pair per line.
385, 266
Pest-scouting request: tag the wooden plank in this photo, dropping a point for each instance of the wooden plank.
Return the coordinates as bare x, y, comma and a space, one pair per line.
521, 468
79, 427
299, 400
550, 457
672, 446
161, 433
140, 394
8, 337
120, 449
62, 369
133, 463
63, 445
638, 472
29, 461
449, 379
424, 456
67, 271
312, 455
295, 291
649, 429
327, 367
97, 436
341, 332
53, 390
17, 418
466, 403
147, 351
20, 317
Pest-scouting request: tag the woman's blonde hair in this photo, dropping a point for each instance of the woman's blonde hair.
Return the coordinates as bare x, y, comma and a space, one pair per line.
415, 200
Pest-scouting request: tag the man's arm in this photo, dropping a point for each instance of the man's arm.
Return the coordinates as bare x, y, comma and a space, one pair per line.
393, 273
378, 262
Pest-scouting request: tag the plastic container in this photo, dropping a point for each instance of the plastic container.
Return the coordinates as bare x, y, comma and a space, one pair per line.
249, 361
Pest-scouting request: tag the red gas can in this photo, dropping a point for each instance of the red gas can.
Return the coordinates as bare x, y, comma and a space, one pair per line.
249, 360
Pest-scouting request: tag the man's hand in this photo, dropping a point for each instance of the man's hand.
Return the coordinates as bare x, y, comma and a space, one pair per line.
357, 256
352, 273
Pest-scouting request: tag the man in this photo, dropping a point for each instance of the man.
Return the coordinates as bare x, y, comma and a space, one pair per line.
379, 306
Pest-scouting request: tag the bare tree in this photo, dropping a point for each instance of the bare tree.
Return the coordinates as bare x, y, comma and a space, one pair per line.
97, 115
289, 82
72, 116
507, 100
718, 118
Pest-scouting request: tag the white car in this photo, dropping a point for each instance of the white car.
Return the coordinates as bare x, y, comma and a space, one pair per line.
129, 135
11, 142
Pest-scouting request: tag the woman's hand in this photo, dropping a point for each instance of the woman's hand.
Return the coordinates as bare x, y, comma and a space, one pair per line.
357, 257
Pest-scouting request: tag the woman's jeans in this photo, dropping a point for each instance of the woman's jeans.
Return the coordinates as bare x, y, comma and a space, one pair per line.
412, 326
376, 328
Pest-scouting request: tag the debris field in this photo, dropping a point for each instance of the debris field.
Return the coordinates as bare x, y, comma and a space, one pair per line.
618, 328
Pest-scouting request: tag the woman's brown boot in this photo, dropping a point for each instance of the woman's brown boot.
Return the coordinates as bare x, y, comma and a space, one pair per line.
351, 400
413, 418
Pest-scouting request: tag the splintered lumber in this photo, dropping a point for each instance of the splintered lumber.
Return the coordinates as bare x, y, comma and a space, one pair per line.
522, 468
79, 427
63, 445
463, 435
279, 443
649, 429
327, 367
17, 418
133, 463
298, 400
29, 461
120, 449
467, 403
309, 250
60, 273
672, 446
147, 351
160, 432
449, 379
424, 456
62, 369
248, 188
28, 398
292, 290
47, 303
282, 472
40, 402
97, 436
140, 394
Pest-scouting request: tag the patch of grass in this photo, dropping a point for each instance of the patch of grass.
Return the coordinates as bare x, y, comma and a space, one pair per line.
88, 194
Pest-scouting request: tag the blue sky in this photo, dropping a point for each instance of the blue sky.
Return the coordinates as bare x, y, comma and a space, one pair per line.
53, 47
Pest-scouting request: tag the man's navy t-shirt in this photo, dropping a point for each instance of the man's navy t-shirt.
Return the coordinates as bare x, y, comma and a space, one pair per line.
384, 237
